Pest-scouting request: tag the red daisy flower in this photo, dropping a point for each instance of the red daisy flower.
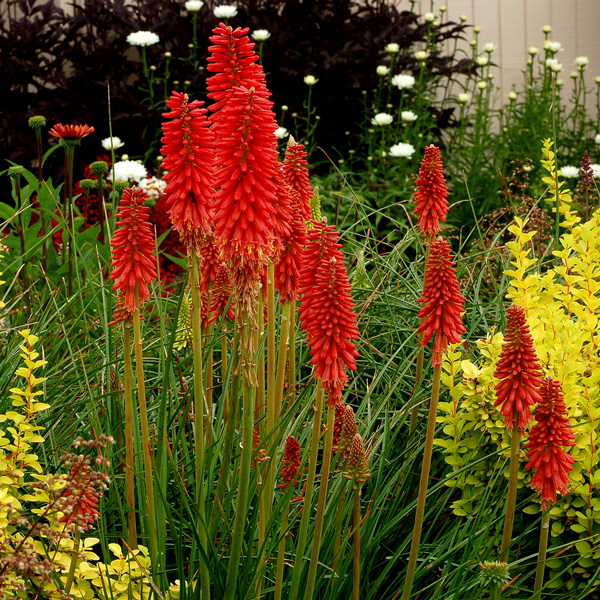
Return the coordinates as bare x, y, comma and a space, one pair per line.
295, 172
442, 302
432, 193
518, 370
327, 310
133, 249
189, 159
551, 430
71, 132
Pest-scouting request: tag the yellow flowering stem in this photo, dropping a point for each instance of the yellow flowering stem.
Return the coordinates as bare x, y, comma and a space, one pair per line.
281, 550
129, 436
543, 547
248, 370
356, 561
308, 493
73, 565
513, 480
418, 527
320, 517
199, 424
139, 368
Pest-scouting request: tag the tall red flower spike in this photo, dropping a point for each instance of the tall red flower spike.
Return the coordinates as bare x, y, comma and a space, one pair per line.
442, 302
189, 160
295, 171
71, 132
133, 249
233, 61
550, 431
432, 193
210, 253
221, 295
245, 200
327, 310
83, 498
518, 370
349, 430
290, 462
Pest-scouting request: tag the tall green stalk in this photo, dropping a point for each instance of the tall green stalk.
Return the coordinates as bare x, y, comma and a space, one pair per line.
139, 368
248, 370
129, 436
513, 480
418, 527
543, 547
308, 493
281, 550
356, 545
320, 518
199, 426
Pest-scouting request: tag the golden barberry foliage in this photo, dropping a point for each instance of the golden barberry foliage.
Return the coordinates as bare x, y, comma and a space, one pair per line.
562, 304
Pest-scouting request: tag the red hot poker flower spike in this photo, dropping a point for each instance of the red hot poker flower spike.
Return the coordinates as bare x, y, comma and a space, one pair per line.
189, 159
82, 498
290, 462
71, 132
518, 370
221, 295
247, 159
327, 311
442, 302
210, 253
233, 61
295, 171
550, 431
133, 249
432, 193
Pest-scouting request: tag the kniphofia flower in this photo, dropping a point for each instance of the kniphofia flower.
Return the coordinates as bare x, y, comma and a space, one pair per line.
327, 310
549, 434
290, 462
442, 302
133, 249
295, 172
518, 370
233, 61
189, 160
210, 253
221, 296
349, 430
247, 162
71, 132
356, 468
432, 193
82, 498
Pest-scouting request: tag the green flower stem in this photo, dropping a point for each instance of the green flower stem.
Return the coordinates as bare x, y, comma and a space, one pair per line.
272, 413
282, 355
73, 565
338, 529
147, 75
417, 530
356, 562
281, 550
199, 424
556, 191
320, 518
513, 480
308, 493
101, 208
195, 39
224, 365
259, 409
232, 410
494, 591
248, 369
207, 335
129, 436
40, 154
69, 212
21, 234
541, 565
292, 352
139, 368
